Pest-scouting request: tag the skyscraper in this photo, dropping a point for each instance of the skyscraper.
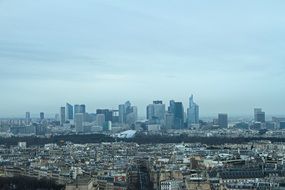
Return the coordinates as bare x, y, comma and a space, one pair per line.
69, 111
171, 107
108, 114
122, 113
28, 117
179, 115
79, 108
169, 120
42, 116
223, 120
78, 121
127, 113
62, 115
82, 108
100, 119
176, 108
115, 116
192, 112
259, 115
76, 109
131, 115
156, 111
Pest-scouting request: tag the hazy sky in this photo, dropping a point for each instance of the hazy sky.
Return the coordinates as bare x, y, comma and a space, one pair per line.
229, 54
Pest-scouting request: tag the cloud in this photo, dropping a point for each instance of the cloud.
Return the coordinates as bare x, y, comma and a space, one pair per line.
222, 51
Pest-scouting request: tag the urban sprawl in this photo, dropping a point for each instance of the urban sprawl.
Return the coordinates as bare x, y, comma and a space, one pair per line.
172, 149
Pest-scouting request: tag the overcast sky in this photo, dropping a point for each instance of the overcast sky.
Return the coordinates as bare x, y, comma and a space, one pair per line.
229, 54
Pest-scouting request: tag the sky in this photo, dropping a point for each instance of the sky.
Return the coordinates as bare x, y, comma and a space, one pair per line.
229, 54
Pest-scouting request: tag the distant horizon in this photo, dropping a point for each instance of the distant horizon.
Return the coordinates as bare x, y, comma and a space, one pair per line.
142, 110
49, 115
92, 107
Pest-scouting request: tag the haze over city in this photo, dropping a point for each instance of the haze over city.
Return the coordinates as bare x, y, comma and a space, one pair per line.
229, 54
142, 95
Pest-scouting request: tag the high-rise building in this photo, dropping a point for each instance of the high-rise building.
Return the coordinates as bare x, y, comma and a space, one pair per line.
169, 120
100, 119
76, 109
171, 107
179, 115
176, 108
149, 112
156, 112
108, 114
78, 122
69, 111
79, 108
259, 115
122, 113
223, 120
192, 112
42, 116
28, 117
62, 115
127, 113
115, 116
131, 115
82, 108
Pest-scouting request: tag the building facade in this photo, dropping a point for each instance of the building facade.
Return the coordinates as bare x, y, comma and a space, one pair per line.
192, 112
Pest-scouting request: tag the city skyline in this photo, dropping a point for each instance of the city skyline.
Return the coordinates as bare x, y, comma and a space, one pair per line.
91, 108
144, 115
229, 55
142, 95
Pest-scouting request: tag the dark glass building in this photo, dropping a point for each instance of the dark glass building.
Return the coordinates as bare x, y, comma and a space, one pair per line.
223, 120
176, 108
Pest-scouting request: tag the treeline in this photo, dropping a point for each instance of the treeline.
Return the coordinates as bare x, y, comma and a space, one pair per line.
140, 139
79, 139
28, 183
146, 139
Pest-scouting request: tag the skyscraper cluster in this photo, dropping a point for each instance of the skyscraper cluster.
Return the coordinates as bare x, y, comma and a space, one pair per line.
128, 114
174, 117
77, 115
158, 115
